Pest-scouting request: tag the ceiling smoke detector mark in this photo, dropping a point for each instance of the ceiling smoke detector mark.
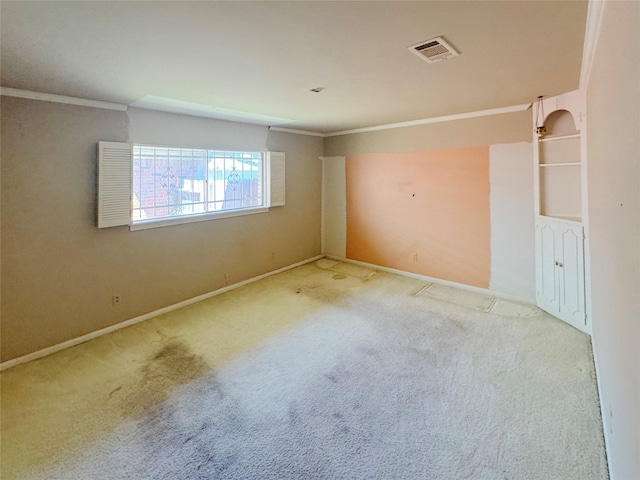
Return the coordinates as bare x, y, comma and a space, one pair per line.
316, 90
434, 50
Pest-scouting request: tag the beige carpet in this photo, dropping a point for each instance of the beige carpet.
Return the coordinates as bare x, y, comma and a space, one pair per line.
327, 371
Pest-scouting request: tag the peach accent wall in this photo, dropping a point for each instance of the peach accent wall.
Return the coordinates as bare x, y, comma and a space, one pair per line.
424, 212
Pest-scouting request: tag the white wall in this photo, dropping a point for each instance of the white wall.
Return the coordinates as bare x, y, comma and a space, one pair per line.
613, 156
512, 220
334, 211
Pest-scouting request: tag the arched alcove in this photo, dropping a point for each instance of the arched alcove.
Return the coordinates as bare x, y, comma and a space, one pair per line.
560, 122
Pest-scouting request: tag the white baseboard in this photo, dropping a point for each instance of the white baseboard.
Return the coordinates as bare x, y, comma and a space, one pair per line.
424, 278
605, 418
127, 323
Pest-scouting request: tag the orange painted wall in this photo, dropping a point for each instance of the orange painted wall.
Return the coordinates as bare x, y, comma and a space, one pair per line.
433, 203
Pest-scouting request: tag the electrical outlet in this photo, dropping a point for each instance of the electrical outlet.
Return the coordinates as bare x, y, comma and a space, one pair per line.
115, 300
414, 257
227, 278
273, 255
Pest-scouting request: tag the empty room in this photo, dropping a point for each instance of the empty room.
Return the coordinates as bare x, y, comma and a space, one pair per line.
320, 240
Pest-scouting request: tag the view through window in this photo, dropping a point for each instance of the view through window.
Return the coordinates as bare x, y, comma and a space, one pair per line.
175, 182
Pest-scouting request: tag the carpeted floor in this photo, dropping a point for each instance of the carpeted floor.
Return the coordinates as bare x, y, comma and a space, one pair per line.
327, 371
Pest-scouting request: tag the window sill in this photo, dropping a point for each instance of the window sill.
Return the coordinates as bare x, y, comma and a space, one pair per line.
203, 217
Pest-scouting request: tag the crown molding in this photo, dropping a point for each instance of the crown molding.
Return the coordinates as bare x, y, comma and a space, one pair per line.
298, 132
50, 97
594, 19
445, 118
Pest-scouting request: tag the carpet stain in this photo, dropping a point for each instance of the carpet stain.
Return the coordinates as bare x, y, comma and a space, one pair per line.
172, 366
114, 391
322, 293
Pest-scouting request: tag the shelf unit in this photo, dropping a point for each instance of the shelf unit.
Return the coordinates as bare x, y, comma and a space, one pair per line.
560, 207
559, 162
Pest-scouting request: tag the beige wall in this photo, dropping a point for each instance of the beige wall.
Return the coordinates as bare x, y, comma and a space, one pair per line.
613, 150
472, 132
334, 207
59, 271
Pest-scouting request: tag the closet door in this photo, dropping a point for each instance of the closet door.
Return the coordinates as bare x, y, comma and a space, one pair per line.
547, 290
571, 274
560, 270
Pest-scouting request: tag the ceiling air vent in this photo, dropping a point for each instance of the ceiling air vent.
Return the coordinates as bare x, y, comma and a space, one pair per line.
434, 50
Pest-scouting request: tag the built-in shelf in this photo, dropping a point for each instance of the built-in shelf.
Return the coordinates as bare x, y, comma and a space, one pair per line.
552, 138
565, 164
560, 207
567, 218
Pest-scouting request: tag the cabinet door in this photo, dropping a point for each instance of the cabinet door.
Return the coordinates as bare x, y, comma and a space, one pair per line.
547, 291
570, 242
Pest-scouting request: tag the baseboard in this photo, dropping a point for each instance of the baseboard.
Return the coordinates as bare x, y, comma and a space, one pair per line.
127, 323
424, 278
605, 419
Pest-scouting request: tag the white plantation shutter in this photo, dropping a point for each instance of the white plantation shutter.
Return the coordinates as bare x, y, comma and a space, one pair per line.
114, 184
275, 160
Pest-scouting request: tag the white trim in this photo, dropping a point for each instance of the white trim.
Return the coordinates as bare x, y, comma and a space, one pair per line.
127, 323
323, 213
50, 97
594, 19
605, 421
445, 118
298, 132
424, 278
201, 217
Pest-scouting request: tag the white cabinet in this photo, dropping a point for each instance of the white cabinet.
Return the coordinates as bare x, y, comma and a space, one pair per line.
560, 207
560, 288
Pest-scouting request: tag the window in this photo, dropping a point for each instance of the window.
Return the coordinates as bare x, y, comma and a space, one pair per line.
150, 186
176, 182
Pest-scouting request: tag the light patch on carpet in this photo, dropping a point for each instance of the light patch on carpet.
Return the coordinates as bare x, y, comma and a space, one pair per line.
477, 301
506, 308
350, 269
326, 264
458, 296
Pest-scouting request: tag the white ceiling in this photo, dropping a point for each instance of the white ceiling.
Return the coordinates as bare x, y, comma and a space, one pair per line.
257, 61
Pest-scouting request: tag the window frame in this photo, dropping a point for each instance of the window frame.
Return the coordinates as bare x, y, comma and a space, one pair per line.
114, 192
143, 224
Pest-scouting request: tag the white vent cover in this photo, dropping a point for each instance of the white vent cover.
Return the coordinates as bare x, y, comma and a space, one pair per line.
434, 50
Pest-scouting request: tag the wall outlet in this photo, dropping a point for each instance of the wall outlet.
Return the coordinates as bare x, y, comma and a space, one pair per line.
414, 257
273, 255
227, 278
115, 300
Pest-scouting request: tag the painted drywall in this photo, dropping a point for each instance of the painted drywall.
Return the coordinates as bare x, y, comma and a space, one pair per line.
512, 220
613, 156
160, 128
511, 196
472, 132
424, 212
334, 207
59, 271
